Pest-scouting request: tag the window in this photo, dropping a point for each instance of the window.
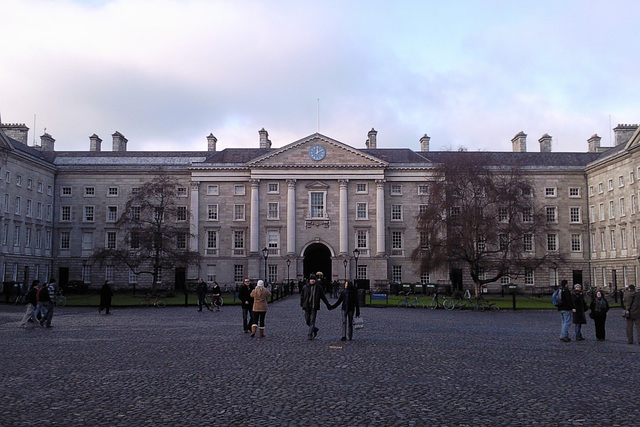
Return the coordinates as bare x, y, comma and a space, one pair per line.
133, 277
362, 272
634, 208
87, 240
212, 212
181, 192
134, 240
423, 189
550, 192
622, 209
632, 177
527, 192
361, 210
396, 189
5, 233
88, 213
422, 209
503, 242
181, 214
212, 190
620, 181
112, 192
238, 212
529, 278
272, 273
18, 205
239, 190
273, 188
19, 180
576, 243
396, 273
593, 242
613, 239
112, 213
111, 240
601, 208
574, 191
65, 192
211, 272
108, 272
574, 215
49, 212
6, 203
27, 238
551, 214
273, 242
362, 241
482, 243
610, 184
634, 237
7, 177
424, 240
527, 244
30, 183
396, 212
397, 244
612, 210
136, 211
212, 242
455, 212
503, 214
16, 235
602, 241
238, 273
89, 191
40, 186
361, 188
29, 211
424, 278
38, 239
316, 204
135, 191
592, 213
238, 242
181, 241
273, 211
623, 238
64, 239
591, 190
65, 213
552, 242
600, 188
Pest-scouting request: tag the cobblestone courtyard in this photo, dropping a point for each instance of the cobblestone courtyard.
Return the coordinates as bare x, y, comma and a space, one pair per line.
175, 366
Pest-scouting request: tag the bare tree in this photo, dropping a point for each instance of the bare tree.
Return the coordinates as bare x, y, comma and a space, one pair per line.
483, 217
156, 231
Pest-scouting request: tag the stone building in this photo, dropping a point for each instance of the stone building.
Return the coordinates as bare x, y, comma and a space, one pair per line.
307, 205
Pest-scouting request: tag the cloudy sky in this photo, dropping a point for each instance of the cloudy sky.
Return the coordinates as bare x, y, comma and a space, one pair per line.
166, 73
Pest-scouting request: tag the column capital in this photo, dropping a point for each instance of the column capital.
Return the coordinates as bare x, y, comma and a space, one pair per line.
291, 183
195, 185
254, 182
343, 182
380, 182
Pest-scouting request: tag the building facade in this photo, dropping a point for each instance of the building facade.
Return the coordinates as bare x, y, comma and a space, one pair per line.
308, 206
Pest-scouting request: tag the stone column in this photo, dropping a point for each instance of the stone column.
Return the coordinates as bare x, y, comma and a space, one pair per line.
291, 216
380, 234
194, 226
344, 220
254, 231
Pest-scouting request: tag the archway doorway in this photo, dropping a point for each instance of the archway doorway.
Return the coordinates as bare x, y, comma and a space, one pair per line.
317, 257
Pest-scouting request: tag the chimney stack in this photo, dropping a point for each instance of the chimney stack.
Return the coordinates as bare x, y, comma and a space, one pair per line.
545, 143
624, 133
371, 140
519, 142
119, 142
17, 131
424, 143
46, 142
211, 140
95, 143
264, 139
594, 144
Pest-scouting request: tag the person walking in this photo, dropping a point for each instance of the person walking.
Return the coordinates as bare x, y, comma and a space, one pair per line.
106, 293
201, 290
260, 307
632, 305
349, 299
312, 294
599, 307
215, 295
580, 307
31, 305
565, 307
246, 301
51, 291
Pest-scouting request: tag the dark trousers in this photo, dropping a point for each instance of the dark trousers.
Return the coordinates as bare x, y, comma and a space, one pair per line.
247, 316
630, 323
310, 318
347, 323
47, 318
599, 321
258, 318
200, 301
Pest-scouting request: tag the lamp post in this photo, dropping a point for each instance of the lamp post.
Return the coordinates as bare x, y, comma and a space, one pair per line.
345, 262
265, 254
288, 265
356, 254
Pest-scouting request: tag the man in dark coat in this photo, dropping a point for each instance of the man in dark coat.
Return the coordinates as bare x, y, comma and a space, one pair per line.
310, 298
105, 297
565, 308
246, 300
632, 304
201, 290
580, 307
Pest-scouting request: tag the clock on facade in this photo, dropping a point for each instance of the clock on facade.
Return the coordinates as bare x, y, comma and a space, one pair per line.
317, 152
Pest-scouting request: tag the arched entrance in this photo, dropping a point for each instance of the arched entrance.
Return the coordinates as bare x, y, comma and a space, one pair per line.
317, 257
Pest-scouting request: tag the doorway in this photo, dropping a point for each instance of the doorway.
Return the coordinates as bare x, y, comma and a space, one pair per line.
317, 257
180, 278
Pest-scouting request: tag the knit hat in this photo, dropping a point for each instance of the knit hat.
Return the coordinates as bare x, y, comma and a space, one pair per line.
260, 283
312, 277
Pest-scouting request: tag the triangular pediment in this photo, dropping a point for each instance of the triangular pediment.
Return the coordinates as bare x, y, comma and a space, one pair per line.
634, 141
317, 151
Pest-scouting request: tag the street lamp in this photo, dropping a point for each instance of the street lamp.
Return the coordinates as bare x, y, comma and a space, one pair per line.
345, 262
288, 265
356, 254
265, 254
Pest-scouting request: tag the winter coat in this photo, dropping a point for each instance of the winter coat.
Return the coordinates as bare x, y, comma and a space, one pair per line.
599, 308
201, 289
244, 295
566, 303
105, 295
349, 300
580, 305
311, 296
632, 303
260, 295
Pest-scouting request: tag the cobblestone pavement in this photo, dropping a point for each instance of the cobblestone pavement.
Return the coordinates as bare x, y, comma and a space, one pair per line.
176, 366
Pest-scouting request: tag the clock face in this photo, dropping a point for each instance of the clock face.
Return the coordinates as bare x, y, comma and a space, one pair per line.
317, 152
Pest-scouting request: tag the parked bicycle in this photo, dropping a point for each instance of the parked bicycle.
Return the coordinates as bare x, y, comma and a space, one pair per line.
411, 303
154, 301
212, 302
479, 304
434, 302
60, 300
